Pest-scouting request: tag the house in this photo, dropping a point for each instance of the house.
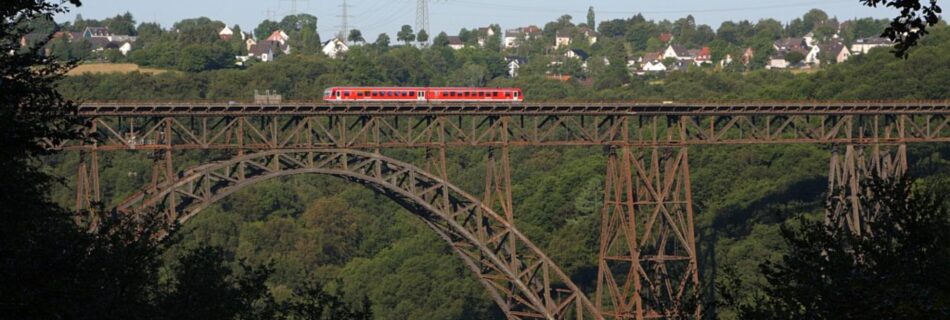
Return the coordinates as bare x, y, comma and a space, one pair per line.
335, 47
456, 43
562, 39
791, 44
122, 38
589, 34
701, 56
484, 34
748, 55
777, 61
862, 46
835, 52
125, 47
96, 32
654, 66
512, 36
514, 64
812, 57
226, 34
677, 52
278, 36
727, 60
577, 54
267, 49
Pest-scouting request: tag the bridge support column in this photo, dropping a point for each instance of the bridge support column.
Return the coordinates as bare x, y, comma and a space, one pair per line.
87, 181
845, 177
647, 261
87, 186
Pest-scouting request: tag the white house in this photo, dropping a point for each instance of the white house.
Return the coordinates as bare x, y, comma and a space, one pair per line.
812, 57
512, 38
125, 48
862, 46
676, 52
335, 47
654, 66
777, 61
226, 34
562, 39
590, 35
456, 43
514, 64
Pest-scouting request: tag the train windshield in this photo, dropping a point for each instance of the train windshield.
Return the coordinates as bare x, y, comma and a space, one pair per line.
326, 93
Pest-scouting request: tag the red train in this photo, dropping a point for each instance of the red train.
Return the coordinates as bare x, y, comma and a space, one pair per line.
405, 94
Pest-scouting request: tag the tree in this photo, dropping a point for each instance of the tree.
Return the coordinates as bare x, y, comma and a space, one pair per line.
911, 25
203, 287
355, 36
423, 36
794, 57
591, 20
405, 34
51, 267
895, 270
382, 41
441, 40
265, 28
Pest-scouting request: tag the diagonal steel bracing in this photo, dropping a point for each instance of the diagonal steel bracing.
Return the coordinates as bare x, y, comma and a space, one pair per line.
647, 263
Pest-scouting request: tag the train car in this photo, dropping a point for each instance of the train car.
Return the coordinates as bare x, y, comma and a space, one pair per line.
475, 94
382, 94
421, 94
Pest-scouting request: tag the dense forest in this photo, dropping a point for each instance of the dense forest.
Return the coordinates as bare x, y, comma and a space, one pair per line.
286, 247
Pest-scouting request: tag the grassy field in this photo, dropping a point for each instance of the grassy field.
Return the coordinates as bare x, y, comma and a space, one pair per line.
111, 68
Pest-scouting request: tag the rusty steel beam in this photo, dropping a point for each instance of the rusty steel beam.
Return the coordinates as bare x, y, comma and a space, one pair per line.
525, 283
846, 178
256, 133
647, 260
510, 109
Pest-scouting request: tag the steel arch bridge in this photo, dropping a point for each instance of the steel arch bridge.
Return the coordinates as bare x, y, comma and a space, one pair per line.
647, 256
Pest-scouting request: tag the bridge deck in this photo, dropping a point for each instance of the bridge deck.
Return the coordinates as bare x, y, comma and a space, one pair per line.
559, 108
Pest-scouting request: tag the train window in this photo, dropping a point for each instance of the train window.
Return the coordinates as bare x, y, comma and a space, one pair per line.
346, 93
507, 94
412, 93
359, 93
468, 94
375, 94
452, 94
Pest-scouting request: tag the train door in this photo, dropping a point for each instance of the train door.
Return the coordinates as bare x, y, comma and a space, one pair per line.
517, 96
421, 95
337, 94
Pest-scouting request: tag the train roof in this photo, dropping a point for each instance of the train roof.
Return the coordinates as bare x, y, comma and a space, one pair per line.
417, 88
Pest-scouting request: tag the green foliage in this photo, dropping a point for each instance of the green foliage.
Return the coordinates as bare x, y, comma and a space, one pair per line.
894, 270
405, 34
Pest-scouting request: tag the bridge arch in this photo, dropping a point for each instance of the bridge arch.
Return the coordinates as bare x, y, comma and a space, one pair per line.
519, 277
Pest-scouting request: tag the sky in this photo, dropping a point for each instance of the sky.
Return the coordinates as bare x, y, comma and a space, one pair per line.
373, 17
